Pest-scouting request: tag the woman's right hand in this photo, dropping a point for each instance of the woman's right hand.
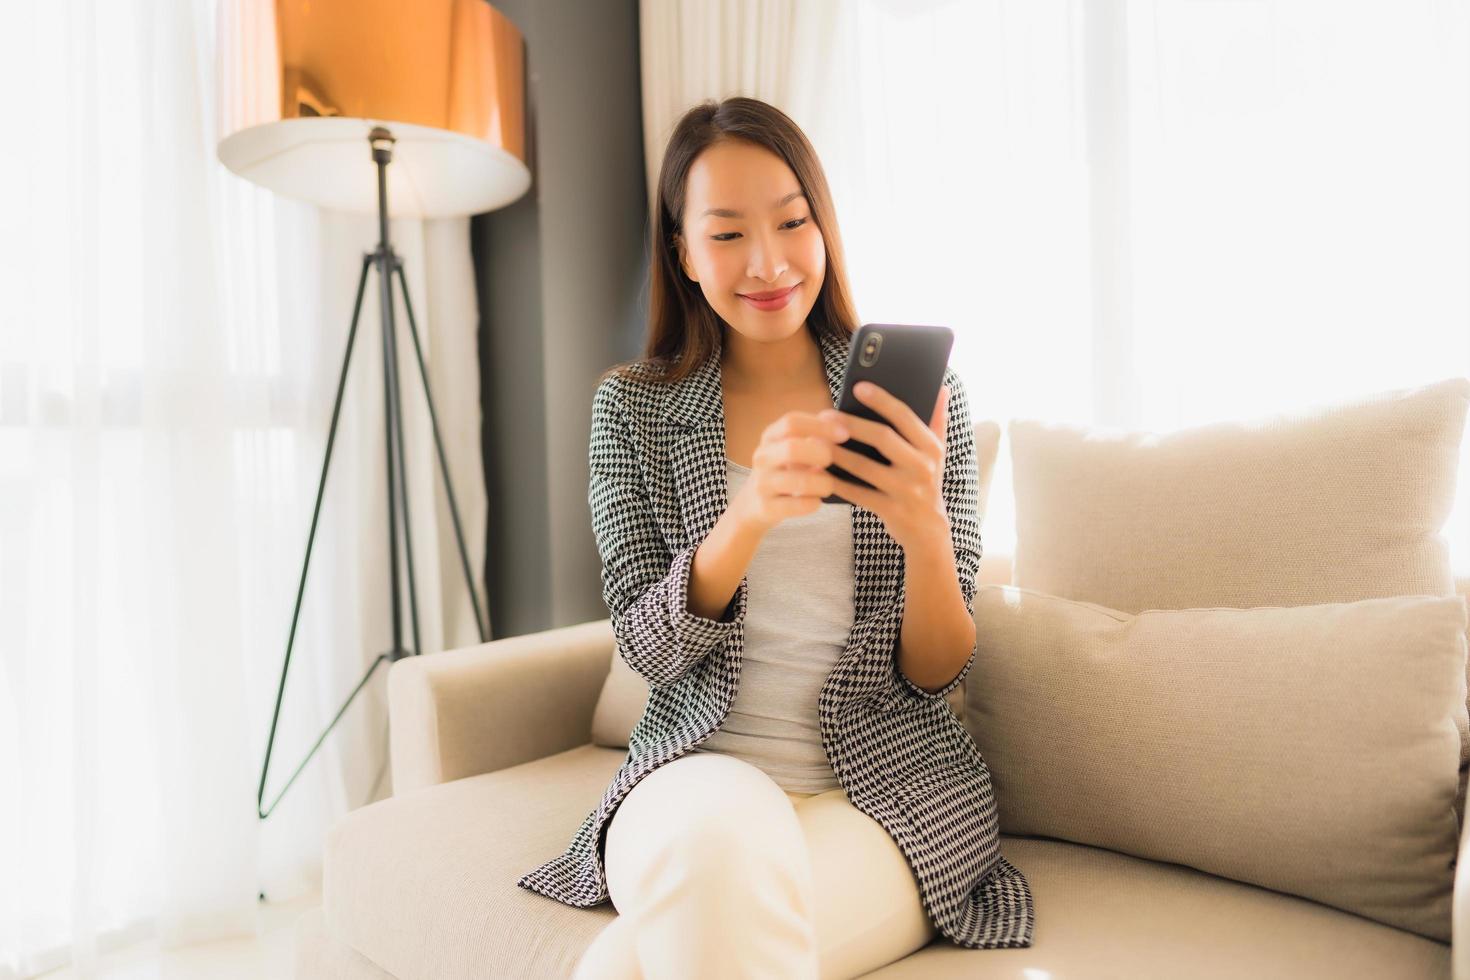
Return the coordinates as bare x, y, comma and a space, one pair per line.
788, 476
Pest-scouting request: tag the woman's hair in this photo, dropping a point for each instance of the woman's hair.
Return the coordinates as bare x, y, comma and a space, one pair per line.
683, 329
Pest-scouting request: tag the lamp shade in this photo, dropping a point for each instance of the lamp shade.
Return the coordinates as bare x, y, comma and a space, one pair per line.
304, 81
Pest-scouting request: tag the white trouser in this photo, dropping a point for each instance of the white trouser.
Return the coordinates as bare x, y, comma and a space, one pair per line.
716, 872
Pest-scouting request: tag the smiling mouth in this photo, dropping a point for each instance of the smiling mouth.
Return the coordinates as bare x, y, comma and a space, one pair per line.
765, 297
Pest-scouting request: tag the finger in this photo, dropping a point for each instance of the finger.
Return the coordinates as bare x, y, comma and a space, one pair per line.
939, 425
893, 446
855, 493
880, 475
806, 451
895, 410
830, 425
802, 483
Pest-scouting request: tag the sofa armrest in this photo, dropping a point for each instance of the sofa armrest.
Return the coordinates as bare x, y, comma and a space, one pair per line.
1460, 910
478, 709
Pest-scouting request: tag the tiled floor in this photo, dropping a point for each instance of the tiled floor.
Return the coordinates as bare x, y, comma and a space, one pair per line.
267, 957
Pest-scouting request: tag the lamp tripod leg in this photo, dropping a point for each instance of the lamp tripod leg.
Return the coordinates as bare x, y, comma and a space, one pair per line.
367, 261
464, 557
385, 302
393, 406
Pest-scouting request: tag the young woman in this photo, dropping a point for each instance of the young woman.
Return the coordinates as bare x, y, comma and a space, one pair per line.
798, 798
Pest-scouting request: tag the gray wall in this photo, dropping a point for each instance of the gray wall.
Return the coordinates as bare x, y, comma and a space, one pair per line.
562, 278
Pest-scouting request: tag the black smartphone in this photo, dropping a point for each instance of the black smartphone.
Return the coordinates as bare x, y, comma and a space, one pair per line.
905, 360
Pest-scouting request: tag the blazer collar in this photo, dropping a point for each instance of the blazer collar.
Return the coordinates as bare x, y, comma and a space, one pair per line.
695, 414
699, 400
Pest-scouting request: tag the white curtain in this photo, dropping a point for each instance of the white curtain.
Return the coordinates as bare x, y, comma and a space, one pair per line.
170, 343
1144, 214
692, 50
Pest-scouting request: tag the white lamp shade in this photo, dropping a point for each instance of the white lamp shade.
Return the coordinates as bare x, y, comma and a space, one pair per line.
304, 82
434, 172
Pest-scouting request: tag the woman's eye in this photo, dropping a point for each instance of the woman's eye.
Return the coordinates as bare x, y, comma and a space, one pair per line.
793, 224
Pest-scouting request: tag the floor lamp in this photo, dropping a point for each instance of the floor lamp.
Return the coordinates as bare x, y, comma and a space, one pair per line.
353, 105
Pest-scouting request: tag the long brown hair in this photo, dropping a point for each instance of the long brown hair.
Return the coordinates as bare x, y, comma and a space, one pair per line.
683, 329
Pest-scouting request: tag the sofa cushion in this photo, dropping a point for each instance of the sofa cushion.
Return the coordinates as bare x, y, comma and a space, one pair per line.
1309, 749
1102, 914
318, 955
1331, 504
423, 885
625, 694
1325, 504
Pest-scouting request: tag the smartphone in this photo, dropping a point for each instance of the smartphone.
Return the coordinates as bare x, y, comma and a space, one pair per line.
905, 360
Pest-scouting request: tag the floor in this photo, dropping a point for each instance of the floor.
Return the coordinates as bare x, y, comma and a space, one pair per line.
267, 956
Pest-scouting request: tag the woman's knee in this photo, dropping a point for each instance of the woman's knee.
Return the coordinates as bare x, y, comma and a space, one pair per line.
718, 818
731, 807
740, 837
700, 789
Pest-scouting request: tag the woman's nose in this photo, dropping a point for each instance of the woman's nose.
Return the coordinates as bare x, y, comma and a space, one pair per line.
767, 263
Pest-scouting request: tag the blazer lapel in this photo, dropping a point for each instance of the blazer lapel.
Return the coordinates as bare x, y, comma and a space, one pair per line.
696, 411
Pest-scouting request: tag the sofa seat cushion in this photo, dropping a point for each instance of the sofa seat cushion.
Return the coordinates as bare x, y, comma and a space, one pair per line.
318, 955
1103, 914
424, 886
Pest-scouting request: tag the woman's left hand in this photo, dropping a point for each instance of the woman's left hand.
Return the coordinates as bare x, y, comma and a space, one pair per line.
909, 497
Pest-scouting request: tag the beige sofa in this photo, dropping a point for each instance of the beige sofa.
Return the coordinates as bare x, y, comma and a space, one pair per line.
500, 750
494, 768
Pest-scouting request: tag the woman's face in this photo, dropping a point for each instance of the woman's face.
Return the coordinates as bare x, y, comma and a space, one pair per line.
771, 244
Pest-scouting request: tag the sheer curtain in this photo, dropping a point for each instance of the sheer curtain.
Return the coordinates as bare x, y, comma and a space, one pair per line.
1135, 213
691, 50
170, 341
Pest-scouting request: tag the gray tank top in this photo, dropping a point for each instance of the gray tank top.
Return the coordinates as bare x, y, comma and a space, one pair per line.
797, 620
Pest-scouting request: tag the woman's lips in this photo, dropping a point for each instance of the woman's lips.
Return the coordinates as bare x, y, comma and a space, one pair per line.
770, 305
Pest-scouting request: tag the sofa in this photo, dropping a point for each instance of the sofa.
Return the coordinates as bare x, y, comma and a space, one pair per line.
1239, 749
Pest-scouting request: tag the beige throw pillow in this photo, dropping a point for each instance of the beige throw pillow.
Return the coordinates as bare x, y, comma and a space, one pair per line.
1328, 504
1309, 749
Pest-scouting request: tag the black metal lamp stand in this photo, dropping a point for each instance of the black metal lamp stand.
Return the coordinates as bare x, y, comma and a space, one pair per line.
388, 264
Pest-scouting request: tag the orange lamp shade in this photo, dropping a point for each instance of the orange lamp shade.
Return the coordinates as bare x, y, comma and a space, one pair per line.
304, 81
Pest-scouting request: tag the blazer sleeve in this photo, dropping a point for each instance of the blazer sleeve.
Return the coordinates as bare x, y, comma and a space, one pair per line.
645, 588
961, 490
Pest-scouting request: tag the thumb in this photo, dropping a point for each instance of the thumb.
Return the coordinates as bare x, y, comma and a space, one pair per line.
940, 423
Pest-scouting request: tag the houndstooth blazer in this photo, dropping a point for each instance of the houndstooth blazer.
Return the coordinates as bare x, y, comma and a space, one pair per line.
658, 485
